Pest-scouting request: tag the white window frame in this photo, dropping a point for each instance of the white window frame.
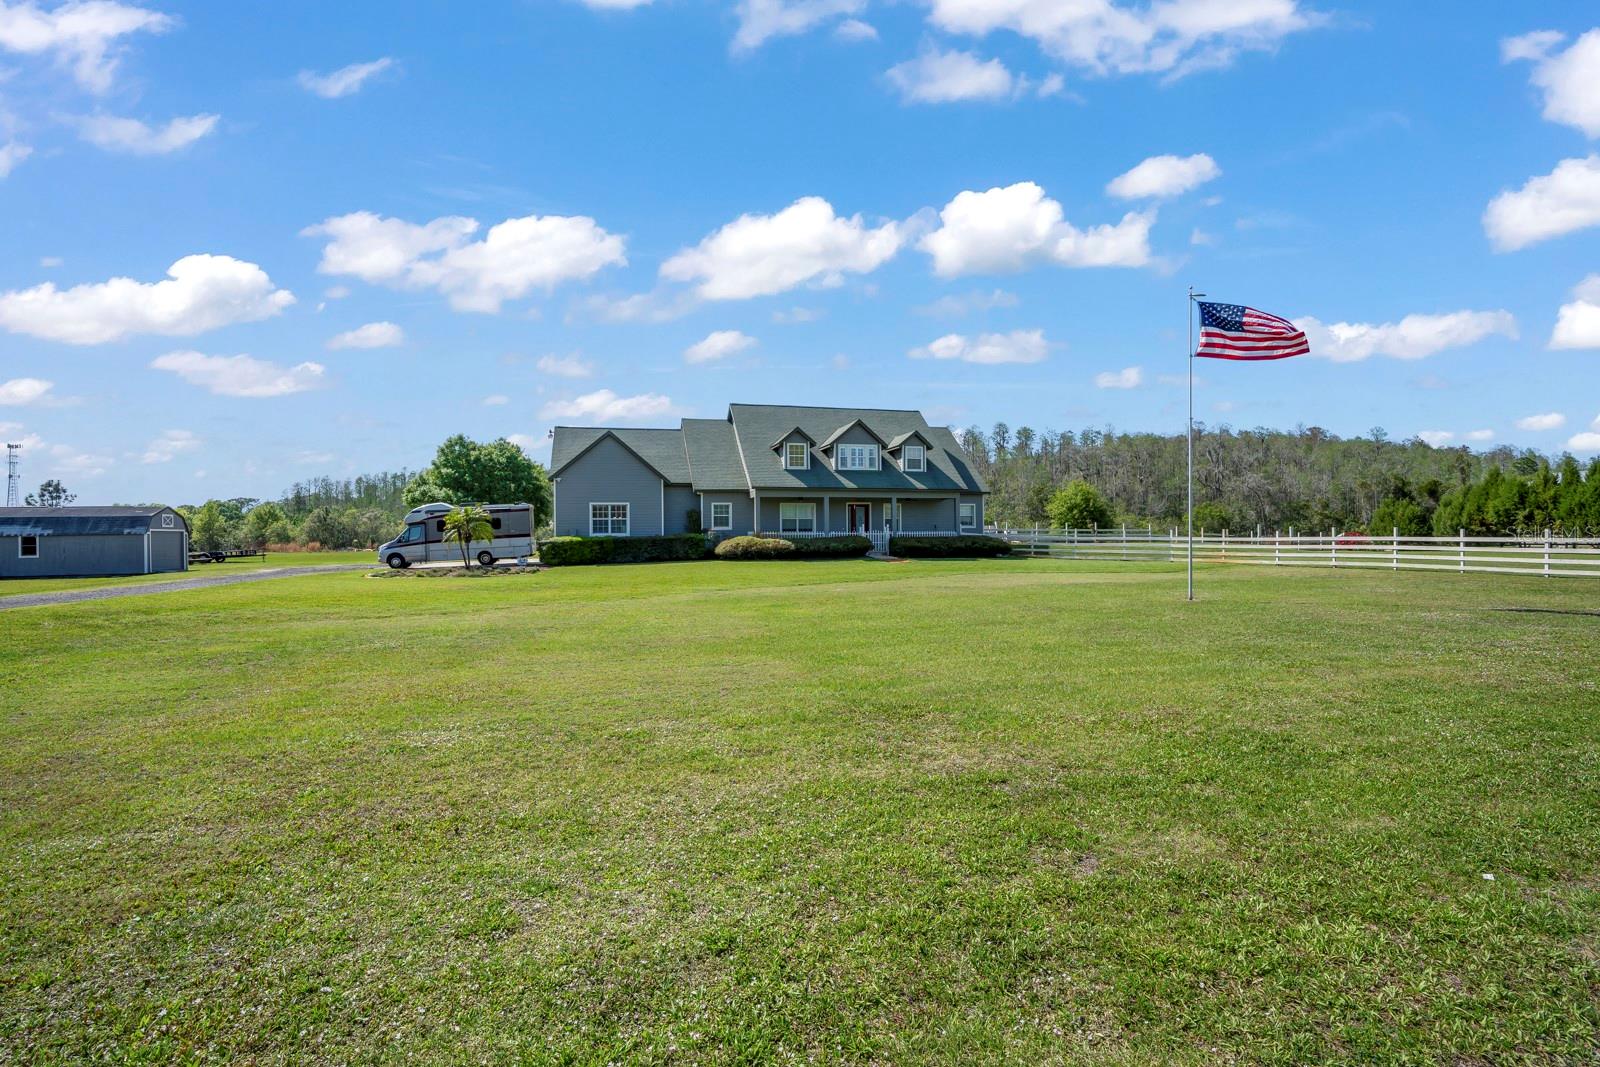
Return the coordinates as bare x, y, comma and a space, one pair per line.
726, 524
610, 520
800, 507
805, 456
967, 516
841, 451
23, 540
918, 453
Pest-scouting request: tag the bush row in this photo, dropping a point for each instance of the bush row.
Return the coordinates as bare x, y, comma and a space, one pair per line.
965, 546
841, 547
574, 551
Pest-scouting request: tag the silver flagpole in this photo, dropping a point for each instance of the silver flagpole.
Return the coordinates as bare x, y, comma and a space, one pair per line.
1190, 309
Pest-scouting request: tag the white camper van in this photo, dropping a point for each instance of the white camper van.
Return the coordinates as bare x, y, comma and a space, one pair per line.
423, 541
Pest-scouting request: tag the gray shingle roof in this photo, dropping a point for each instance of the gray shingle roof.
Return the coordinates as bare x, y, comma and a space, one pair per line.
46, 522
736, 453
661, 449
757, 424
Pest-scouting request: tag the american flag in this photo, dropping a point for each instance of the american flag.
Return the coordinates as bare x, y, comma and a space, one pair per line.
1233, 331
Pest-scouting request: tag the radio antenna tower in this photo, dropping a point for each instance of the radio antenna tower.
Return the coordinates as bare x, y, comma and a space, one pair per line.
11, 474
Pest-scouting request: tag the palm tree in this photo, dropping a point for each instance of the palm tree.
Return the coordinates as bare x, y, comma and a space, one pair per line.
465, 525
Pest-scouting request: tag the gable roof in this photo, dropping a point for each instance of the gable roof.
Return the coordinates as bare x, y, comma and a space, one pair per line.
732, 454
949, 470
660, 450
44, 522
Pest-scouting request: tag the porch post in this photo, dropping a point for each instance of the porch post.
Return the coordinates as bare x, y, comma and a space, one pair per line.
894, 513
827, 516
755, 519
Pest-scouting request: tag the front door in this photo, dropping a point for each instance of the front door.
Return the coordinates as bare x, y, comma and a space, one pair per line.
859, 517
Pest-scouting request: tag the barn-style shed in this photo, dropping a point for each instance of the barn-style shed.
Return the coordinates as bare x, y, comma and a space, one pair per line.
82, 542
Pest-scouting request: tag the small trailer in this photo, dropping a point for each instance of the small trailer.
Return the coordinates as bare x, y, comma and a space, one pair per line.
422, 541
224, 556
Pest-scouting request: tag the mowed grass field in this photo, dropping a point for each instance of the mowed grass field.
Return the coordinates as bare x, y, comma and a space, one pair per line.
933, 812
274, 561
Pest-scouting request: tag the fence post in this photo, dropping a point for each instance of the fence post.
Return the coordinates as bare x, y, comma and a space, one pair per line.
1124, 542
1333, 547
1462, 551
1224, 544
1394, 548
1275, 560
1547, 551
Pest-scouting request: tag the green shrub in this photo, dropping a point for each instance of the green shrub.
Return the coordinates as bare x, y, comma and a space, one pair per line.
840, 547
964, 546
578, 551
748, 547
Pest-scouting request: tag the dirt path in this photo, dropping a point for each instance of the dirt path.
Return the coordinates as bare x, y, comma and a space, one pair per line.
105, 592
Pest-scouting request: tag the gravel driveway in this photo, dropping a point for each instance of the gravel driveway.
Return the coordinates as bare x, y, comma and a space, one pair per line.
106, 592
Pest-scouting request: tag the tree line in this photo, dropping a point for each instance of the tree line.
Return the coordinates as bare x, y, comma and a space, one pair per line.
1307, 479
365, 511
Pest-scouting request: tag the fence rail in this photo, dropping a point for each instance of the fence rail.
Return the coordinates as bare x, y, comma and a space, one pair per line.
1547, 555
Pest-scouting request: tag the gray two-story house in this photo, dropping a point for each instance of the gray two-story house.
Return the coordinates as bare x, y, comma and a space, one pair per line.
767, 468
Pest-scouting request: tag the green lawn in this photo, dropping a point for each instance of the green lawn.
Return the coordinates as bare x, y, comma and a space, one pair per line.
274, 560
957, 812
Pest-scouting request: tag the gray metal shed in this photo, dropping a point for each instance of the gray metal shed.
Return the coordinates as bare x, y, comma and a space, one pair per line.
84, 542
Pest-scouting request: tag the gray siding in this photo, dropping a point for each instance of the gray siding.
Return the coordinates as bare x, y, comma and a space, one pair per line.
168, 550
743, 511
974, 498
924, 516
680, 499
88, 555
608, 473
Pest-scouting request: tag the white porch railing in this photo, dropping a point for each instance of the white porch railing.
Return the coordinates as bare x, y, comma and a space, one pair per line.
1546, 554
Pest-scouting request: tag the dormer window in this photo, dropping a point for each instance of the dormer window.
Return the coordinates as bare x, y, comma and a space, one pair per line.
914, 459
855, 457
796, 456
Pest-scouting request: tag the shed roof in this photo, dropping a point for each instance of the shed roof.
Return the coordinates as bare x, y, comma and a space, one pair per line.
46, 522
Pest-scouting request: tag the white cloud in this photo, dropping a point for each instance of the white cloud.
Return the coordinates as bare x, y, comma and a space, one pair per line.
200, 293
1436, 438
1200, 238
1173, 37
169, 446
658, 306
495, 400
344, 81
1566, 199
1550, 420
1588, 441
762, 20
1018, 346
11, 154
937, 77
240, 375
719, 344
1163, 176
64, 459
855, 30
1478, 435
953, 305
1413, 337
565, 366
19, 391
603, 405
759, 255
140, 139
527, 442
515, 256
1126, 378
82, 35
1570, 80
1008, 229
1578, 323
796, 316
372, 335
50, 262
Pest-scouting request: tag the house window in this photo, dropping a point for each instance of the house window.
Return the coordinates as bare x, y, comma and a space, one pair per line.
914, 458
28, 547
969, 516
856, 457
797, 518
796, 455
608, 520
722, 515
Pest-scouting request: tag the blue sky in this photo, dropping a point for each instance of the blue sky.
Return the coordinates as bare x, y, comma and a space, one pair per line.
522, 214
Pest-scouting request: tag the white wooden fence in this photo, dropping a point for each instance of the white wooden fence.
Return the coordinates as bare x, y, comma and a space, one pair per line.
1549, 555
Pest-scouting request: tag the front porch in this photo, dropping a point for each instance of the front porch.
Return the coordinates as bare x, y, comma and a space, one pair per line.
821, 514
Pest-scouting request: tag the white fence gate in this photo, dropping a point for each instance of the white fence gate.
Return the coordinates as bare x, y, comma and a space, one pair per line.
1547, 555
